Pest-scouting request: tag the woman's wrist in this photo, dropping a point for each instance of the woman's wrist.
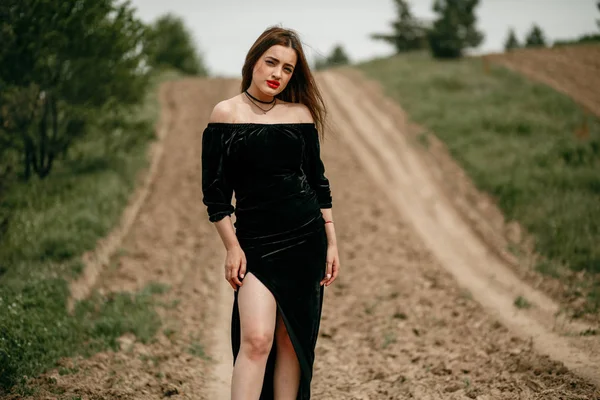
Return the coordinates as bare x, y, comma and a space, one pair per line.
232, 246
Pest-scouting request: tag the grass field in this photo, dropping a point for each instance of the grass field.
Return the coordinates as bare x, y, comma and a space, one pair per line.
515, 138
52, 222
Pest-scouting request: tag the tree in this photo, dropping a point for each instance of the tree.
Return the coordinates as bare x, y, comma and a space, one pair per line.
337, 57
62, 65
535, 37
511, 41
170, 44
408, 33
454, 30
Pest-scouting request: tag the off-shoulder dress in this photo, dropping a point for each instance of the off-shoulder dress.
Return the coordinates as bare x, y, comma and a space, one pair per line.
280, 187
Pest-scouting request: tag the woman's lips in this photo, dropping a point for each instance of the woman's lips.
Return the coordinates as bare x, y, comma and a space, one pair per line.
273, 84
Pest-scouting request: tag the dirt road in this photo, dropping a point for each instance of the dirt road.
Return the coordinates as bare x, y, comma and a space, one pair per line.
421, 310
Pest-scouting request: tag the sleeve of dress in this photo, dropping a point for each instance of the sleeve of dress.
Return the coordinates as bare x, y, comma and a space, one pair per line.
217, 191
315, 170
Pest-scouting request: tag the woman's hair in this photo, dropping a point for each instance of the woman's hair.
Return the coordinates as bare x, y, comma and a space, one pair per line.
302, 87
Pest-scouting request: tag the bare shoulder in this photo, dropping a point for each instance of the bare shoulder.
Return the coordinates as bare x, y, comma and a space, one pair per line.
301, 112
224, 111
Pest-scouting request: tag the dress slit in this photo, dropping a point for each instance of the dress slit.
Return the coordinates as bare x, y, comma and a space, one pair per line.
267, 388
267, 392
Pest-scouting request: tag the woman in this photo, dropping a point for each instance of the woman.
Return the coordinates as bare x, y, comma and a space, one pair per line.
263, 144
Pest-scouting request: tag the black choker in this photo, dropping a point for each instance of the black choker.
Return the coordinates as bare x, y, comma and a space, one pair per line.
260, 101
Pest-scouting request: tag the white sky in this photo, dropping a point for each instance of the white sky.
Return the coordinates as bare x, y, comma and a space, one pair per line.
224, 30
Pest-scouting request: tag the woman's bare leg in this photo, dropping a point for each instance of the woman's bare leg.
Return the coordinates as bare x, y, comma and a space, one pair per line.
258, 312
287, 367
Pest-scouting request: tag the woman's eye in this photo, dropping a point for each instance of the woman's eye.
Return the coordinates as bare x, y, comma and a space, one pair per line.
288, 70
269, 62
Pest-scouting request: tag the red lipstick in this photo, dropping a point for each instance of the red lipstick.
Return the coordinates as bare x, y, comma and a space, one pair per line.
273, 84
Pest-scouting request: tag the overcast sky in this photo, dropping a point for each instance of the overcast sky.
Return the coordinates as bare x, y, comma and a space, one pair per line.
224, 30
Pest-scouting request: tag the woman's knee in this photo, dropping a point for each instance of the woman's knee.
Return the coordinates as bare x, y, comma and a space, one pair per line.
257, 345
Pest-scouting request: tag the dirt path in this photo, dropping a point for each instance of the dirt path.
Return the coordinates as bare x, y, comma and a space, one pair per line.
398, 323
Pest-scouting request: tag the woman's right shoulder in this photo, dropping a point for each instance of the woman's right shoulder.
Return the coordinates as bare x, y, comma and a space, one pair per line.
224, 111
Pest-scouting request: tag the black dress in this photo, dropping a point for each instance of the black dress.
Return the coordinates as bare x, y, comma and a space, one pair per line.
280, 188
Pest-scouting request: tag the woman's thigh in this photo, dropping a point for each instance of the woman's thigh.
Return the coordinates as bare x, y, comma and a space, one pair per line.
257, 308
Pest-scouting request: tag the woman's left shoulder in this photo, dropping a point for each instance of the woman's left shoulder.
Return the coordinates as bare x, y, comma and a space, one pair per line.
300, 112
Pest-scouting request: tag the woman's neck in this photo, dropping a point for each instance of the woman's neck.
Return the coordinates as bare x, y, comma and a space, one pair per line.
258, 94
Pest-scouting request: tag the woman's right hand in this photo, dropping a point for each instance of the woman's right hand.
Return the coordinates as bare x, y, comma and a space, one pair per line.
235, 267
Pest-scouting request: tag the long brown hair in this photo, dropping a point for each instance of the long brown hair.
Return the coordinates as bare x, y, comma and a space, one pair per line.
302, 87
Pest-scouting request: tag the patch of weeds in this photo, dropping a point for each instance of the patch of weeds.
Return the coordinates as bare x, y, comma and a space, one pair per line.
589, 332
121, 251
514, 249
113, 265
67, 371
593, 298
522, 303
170, 304
156, 288
369, 309
169, 332
466, 294
196, 349
423, 139
388, 339
145, 358
120, 313
548, 268
76, 268
58, 390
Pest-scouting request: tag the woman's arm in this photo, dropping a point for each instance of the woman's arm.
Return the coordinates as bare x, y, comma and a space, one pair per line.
329, 228
217, 196
315, 174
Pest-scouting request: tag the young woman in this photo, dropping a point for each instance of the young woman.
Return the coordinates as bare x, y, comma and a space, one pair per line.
263, 144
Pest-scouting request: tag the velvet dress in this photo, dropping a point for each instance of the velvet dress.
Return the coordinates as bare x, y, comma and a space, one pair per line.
280, 188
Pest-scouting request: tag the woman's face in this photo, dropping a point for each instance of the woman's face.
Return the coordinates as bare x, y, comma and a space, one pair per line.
274, 69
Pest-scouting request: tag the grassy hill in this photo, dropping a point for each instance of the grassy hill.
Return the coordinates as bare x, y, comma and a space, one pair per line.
532, 148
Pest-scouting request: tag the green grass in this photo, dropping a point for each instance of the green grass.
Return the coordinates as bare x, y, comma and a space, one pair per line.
196, 349
521, 302
51, 223
515, 139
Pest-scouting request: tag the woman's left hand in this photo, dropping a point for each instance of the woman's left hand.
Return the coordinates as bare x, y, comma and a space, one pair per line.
333, 265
